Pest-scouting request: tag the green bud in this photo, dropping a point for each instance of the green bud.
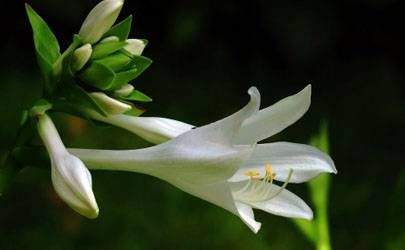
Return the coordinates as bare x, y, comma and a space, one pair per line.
100, 20
135, 46
124, 90
110, 105
110, 39
80, 57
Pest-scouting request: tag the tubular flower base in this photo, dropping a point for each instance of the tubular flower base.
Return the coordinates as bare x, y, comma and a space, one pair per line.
223, 164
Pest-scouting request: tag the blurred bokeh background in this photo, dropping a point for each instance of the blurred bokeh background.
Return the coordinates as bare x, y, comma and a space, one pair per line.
206, 55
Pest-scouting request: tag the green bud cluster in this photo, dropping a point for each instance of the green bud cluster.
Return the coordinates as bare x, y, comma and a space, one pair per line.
95, 71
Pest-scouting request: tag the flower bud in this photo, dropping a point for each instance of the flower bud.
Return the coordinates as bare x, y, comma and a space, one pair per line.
124, 90
135, 46
81, 56
110, 105
70, 177
110, 39
99, 20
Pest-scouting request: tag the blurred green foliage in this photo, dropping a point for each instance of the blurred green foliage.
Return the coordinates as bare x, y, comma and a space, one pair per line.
206, 54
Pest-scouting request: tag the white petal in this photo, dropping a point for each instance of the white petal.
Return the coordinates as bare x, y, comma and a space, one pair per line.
247, 216
99, 20
285, 204
72, 182
226, 130
306, 162
273, 119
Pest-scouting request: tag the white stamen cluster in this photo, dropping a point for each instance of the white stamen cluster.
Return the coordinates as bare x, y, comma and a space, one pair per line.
258, 189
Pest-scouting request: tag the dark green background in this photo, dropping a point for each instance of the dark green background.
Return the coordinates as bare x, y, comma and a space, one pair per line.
206, 55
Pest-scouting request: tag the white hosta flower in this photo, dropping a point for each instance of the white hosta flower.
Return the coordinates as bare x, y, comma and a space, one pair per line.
109, 104
135, 46
222, 164
70, 177
100, 20
81, 56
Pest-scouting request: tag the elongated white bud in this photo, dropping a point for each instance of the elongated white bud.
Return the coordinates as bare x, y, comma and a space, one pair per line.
81, 56
70, 177
135, 46
110, 105
153, 129
100, 20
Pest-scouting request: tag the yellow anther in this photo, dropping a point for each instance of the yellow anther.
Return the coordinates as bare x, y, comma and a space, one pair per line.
269, 173
268, 169
252, 174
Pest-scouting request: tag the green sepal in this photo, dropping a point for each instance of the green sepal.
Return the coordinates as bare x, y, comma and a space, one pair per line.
123, 78
141, 63
98, 75
117, 62
121, 30
138, 65
105, 49
40, 107
136, 95
75, 100
46, 45
145, 41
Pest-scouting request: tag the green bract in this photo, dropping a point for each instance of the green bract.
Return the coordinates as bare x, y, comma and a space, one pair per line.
46, 45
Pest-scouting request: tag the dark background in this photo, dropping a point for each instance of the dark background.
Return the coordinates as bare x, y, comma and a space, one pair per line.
206, 55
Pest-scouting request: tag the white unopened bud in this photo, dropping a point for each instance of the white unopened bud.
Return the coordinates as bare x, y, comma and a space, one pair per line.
81, 56
135, 46
99, 20
124, 90
110, 105
70, 177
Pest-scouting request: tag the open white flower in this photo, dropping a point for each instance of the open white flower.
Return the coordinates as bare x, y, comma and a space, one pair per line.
222, 164
99, 20
70, 177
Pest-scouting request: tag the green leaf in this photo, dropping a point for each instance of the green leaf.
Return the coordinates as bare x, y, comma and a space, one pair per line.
74, 99
46, 44
137, 96
121, 30
98, 75
105, 49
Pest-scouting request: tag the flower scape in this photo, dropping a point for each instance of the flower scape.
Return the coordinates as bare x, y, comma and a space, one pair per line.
223, 162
